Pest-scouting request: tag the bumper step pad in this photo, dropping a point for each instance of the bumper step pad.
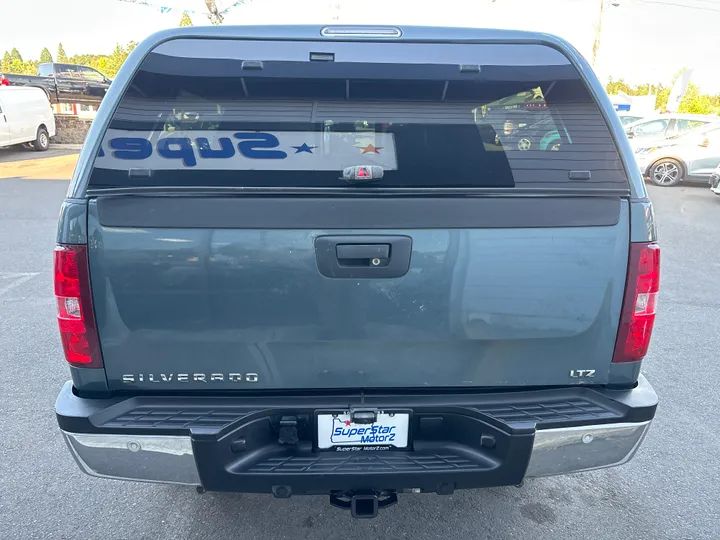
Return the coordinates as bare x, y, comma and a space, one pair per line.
367, 462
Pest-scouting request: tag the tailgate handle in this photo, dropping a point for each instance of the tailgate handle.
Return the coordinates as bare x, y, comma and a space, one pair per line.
363, 256
374, 254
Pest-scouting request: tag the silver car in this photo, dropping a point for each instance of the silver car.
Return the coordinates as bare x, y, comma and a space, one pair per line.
659, 127
628, 118
715, 181
691, 157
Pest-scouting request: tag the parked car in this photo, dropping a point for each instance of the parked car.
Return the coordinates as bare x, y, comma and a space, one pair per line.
64, 83
647, 131
25, 117
690, 157
543, 135
715, 181
324, 282
539, 135
629, 118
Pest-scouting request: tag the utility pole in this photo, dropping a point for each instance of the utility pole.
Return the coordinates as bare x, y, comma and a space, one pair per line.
335, 10
604, 4
213, 14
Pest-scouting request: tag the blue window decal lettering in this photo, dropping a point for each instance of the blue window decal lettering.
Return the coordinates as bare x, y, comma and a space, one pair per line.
253, 147
101, 153
227, 150
131, 148
184, 152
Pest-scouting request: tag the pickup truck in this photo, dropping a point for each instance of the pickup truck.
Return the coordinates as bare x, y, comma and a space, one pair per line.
64, 83
299, 260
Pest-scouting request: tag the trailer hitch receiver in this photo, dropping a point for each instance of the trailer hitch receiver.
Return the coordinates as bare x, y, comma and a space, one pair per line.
363, 504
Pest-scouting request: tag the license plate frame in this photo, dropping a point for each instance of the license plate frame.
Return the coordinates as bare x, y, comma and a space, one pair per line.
392, 431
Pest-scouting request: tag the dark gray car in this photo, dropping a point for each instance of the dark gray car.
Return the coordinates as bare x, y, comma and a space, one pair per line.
300, 260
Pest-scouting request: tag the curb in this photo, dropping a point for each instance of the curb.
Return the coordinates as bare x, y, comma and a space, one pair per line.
66, 146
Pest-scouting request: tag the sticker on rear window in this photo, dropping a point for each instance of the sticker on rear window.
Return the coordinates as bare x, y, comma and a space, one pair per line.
246, 150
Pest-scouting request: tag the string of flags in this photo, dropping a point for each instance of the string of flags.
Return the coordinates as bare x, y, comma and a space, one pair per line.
176, 9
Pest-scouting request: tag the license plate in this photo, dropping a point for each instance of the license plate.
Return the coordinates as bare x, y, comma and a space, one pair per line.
338, 431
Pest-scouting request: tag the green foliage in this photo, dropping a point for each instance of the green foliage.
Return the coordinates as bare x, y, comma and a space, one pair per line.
23, 68
185, 20
45, 56
12, 62
107, 64
61, 56
693, 102
5, 66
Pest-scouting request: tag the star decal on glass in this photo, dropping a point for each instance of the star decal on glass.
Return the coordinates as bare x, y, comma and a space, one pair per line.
370, 149
304, 147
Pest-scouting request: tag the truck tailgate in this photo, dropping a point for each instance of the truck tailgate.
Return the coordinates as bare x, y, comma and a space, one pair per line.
196, 293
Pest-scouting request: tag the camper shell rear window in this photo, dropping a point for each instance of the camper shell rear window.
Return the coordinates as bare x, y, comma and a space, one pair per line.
234, 113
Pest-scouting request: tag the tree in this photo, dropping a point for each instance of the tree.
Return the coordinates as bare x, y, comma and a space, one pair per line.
15, 55
693, 102
61, 56
45, 56
107, 64
118, 57
185, 20
614, 87
6, 61
23, 68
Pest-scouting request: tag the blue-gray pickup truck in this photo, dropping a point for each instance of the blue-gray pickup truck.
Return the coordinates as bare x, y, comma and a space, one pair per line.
304, 260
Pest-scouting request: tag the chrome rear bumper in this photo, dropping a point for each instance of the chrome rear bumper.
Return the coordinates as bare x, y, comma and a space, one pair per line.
584, 448
142, 458
170, 459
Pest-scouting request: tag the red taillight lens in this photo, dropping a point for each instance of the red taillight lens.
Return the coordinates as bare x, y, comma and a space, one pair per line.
4, 81
638, 314
76, 318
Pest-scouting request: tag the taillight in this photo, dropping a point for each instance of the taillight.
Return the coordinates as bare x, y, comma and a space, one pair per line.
74, 307
3, 80
638, 313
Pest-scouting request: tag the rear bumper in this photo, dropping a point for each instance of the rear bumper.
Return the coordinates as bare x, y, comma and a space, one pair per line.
170, 459
458, 441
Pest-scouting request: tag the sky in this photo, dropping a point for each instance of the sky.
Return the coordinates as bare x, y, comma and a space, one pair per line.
642, 40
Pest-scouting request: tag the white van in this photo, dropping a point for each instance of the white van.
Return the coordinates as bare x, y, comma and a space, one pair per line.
25, 117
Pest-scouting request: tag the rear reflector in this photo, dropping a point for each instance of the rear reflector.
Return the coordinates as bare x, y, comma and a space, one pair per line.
76, 318
638, 313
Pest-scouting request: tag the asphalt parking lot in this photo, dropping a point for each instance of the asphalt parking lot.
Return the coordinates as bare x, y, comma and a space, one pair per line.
670, 490
17, 153
56, 163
